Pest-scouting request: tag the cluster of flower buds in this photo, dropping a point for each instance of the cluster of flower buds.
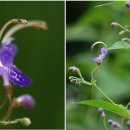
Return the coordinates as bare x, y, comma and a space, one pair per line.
73, 79
101, 112
113, 123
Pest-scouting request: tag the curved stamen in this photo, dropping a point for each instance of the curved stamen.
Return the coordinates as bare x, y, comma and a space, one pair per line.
15, 21
32, 23
99, 42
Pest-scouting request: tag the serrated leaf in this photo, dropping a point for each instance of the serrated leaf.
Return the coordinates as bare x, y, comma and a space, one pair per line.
115, 108
120, 45
119, 3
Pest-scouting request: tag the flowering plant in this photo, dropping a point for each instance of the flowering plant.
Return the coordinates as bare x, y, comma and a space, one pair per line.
11, 75
108, 105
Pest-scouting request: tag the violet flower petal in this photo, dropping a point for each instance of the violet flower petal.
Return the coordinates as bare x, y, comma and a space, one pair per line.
103, 51
101, 56
4, 76
7, 54
96, 59
16, 77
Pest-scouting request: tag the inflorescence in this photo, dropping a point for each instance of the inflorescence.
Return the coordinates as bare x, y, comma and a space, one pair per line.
11, 75
99, 59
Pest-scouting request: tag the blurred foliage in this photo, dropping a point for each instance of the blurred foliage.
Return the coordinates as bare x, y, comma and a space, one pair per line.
91, 25
41, 57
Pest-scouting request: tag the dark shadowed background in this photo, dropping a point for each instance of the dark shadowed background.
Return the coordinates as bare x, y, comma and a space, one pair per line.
41, 57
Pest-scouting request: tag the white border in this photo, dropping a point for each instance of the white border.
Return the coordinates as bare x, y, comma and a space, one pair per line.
65, 64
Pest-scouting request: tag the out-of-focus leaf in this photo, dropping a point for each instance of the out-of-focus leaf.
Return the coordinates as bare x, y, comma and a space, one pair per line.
115, 85
127, 26
118, 3
81, 33
120, 45
115, 108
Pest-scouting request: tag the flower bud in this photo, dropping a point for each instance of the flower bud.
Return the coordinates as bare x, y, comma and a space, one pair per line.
114, 24
100, 110
128, 122
116, 125
125, 39
127, 4
73, 69
110, 122
25, 121
27, 101
121, 32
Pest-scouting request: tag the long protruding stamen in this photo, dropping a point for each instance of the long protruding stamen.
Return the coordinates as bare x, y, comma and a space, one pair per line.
33, 23
15, 21
99, 42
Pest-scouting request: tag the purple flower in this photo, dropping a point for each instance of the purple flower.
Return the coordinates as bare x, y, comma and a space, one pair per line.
127, 4
128, 122
26, 100
100, 58
8, 70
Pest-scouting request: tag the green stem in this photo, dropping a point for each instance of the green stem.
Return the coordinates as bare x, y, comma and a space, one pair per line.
9, 111
122, 119
5, 100
9, 122
86, 82
122, 27
95, 85
127, 105
103, 93
92, 73
79, 73
122, 122
104, 123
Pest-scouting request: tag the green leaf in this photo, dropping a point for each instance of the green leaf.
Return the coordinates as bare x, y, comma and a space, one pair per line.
120, 45
115, 108
81, 33
118, 3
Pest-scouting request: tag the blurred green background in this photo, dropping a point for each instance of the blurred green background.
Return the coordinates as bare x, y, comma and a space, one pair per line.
86, 25
41, 57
